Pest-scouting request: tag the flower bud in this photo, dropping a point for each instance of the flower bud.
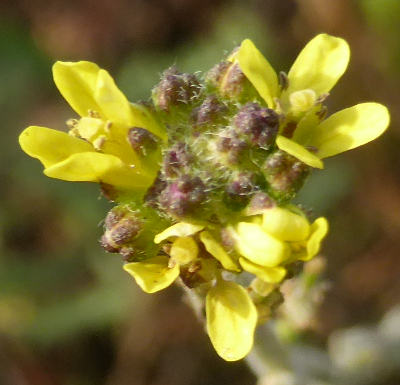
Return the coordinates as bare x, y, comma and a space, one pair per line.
176, 160
259, 203
142, 141
174, 89
230, 144
121, 227
260, 125
210, 111
215, 75
131, 233
230, 81
183, 195
285, 175
238, 192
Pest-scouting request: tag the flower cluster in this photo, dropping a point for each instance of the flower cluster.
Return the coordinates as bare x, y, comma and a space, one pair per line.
203, 174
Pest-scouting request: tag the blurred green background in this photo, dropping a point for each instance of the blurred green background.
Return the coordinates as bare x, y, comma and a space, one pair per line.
68, 313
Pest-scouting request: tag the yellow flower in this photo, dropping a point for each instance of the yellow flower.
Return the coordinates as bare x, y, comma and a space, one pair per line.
157, 273
97, 147
316, 70
265, 246
279, 237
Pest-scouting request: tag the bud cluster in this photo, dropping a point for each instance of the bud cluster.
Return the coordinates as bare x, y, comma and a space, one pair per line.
219, 204
220, 161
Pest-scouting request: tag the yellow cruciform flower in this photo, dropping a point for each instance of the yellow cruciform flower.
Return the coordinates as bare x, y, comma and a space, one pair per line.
97, 148
316, 70
276, 238
265, 246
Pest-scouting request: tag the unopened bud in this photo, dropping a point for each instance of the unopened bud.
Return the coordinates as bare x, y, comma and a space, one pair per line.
210, 111
238, 192
230, 81
176, 159
175, 89
259, 203
232, 146
260, 125
215, 75
182, 196
121, 227
142, 141
285, 175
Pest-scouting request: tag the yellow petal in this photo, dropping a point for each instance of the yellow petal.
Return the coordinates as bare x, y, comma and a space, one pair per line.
51, 146
97, 167
285, 224
153, 274
231, 320
307, 126
319, 229
298, 151
350, 128
76, 82
142, 117
87, 87
112, 102
267, 274
260, 247
217, 251
259, 72
319, 65
181, 229
184, 250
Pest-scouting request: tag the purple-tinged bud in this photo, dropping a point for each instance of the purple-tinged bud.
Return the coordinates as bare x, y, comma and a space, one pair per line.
234, 82
176, 159
230, 81
142, 141
210, 111
285, 175
121, 227
183, 196
259, 202
131, 233
175, 89
232, 146
260, 125
215, 75
238, 191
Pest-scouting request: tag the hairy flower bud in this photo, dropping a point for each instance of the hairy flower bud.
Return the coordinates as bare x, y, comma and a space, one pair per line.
176, 159
232, 146
183, 195
175, 89
210, 111
238, 192
259, 202
142, 141
215, 75
285, 174
121, 227
230, 81
257, 123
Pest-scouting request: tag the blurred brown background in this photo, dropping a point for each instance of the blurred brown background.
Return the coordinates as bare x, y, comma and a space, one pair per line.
68, 313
